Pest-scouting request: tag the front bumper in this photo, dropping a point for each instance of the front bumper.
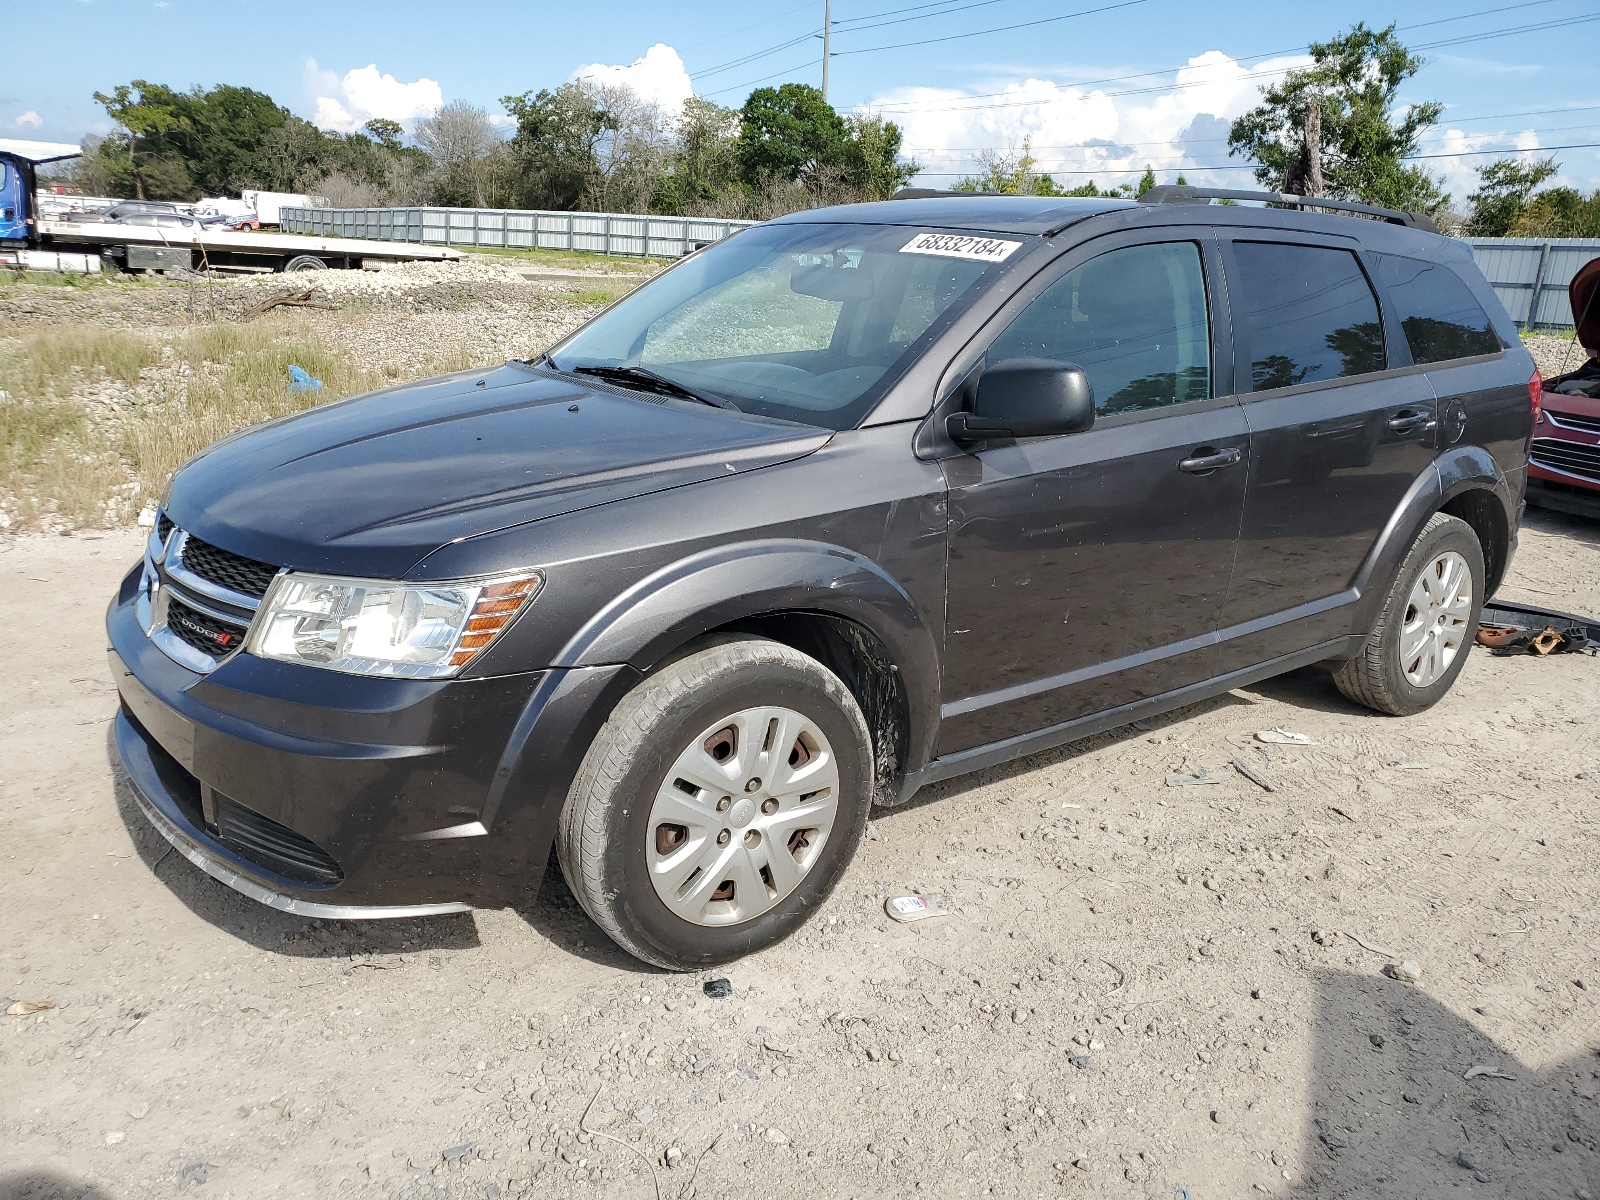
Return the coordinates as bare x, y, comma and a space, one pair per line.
336, 795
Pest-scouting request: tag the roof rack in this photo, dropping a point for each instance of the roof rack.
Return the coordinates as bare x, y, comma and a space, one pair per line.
1183, 193
911, 193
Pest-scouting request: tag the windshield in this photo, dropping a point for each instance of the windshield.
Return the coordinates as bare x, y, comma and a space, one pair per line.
803, 322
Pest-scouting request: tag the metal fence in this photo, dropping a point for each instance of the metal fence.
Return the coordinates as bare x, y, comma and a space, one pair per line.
599, 233
1530, 275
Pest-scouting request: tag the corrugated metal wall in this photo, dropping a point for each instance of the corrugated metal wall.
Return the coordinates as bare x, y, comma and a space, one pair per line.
599, 233
1529, 274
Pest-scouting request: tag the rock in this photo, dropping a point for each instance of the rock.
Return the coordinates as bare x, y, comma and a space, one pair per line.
195, 1173
874, 1054
718, 989
1019, 1016
1219, 1116
1406, 972
464, 1150
1321, 937
1278, 1159
1411, 1097
115, 1136
139, 1110
777, 1137
1466, 1161
1376, 1039
644, 1115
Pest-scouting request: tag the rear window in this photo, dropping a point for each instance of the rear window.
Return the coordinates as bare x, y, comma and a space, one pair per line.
1440, 317
1308, 314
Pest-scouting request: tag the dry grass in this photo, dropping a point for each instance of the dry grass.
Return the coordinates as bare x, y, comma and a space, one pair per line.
94, 421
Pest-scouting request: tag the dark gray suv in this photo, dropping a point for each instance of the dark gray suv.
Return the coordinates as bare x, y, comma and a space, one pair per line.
852, 501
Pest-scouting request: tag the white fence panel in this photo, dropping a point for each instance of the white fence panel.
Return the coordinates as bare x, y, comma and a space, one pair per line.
1530, 275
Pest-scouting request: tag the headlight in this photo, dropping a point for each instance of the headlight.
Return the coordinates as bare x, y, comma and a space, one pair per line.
377, 627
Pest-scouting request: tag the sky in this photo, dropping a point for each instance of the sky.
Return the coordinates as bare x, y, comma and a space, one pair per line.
1097, 89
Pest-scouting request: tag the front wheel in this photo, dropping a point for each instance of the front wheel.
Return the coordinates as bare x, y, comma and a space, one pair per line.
1428, 623
304, 262
719, 804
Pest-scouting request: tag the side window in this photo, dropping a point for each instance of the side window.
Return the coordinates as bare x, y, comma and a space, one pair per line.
1135, 319
1308, 313
1437, 311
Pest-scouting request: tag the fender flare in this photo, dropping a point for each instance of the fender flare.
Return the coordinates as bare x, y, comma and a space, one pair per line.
724, 584
1455, 471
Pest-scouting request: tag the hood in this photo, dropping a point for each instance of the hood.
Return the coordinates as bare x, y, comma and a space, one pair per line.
372, 485
1584, 294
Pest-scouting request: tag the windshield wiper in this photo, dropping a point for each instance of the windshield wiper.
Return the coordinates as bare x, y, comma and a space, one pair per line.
646, 380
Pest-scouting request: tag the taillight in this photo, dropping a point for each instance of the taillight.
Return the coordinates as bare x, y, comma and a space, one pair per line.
1536, 397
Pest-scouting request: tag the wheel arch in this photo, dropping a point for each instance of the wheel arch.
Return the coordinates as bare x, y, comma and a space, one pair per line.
824, 600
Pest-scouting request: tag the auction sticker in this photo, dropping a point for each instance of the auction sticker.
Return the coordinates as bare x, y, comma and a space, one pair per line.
961, 245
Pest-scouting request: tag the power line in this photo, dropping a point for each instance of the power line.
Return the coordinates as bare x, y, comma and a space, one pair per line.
746, 28
908, 107
765, 78
1248, 58
1088, 12
1252, 166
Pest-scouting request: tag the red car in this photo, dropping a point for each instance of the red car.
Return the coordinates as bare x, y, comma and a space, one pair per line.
1564, 462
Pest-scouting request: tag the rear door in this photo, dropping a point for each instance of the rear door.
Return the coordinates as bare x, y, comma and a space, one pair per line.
1086, 571
1341, 426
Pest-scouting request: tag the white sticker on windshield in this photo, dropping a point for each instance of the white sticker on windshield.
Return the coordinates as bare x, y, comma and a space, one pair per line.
960, 245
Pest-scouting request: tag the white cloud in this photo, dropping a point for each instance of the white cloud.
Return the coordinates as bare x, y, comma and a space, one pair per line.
29, 120
344, 104
1080, 133
659, 77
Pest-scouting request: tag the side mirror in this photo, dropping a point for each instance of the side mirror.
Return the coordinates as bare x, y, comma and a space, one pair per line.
1026, 397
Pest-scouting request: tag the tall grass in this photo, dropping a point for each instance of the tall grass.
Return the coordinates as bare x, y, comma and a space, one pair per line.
67, 461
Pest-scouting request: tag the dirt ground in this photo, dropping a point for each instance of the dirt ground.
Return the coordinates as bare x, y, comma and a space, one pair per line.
1141, 991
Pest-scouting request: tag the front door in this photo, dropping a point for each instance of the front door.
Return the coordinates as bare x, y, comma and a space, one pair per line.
1087, 571
1341, 426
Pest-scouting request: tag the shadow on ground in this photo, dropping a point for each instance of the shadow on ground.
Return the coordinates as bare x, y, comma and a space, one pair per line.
47, 1185
1399, 1120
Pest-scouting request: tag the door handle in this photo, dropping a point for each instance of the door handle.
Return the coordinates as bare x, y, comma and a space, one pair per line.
1408, 419
1207, 459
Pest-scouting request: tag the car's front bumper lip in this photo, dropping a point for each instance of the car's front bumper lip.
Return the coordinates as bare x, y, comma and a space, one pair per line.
162, 811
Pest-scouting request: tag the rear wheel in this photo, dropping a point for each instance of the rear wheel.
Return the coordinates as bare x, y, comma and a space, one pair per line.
719, 805
305, 262
1427, 625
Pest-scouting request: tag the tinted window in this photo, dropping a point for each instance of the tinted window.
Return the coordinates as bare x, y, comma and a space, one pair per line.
1308, 313
1440, 318
1134, 319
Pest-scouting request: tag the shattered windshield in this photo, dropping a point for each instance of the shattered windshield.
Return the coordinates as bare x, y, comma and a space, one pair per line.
808, 323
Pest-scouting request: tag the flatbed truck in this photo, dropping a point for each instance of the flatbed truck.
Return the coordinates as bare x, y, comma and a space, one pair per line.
33, 241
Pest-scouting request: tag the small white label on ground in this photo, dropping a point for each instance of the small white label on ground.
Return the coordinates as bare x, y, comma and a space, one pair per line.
961, 245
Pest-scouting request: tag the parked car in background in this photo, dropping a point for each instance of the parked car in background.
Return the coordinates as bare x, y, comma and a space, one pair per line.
1564, 461
850, 502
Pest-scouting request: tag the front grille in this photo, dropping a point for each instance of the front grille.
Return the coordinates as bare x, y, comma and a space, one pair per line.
163, 527
1571, 457
1564, 420
274, 846
203, 631
227, 569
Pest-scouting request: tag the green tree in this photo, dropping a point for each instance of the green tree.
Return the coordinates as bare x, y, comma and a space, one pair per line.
872, 157
1146, 181
552, 158
705, 163
789, 133
1013, 173
181, 145
1364, 140
1559, 213
1504, 189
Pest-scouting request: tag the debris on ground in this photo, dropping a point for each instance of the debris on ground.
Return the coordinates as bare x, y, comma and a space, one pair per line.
1254, 776
1279, 736
1485, 1071
26, 1008
1366, 945
913, 908
1407, 971
1505, 628
1198, 779
300, 380
718, 989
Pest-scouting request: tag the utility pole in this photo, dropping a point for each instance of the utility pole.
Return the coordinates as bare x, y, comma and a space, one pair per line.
827, 30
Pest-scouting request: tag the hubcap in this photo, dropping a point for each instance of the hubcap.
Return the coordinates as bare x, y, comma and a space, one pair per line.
1435, 627
742, 816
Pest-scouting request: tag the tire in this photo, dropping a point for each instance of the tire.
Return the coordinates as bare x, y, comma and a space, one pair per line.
1377, 677
305, 262
669, 892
